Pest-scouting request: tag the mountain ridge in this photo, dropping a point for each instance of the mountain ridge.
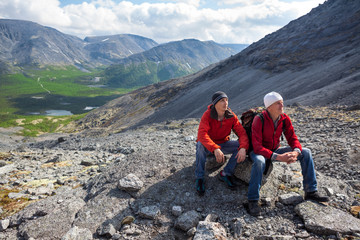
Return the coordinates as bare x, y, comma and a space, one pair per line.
29, 43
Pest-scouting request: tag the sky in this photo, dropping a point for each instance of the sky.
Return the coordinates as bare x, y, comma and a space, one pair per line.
223, 21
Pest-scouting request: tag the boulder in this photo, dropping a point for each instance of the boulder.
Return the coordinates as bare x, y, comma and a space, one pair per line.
210, 231
326, 220
130, 183
187, 220
243, 171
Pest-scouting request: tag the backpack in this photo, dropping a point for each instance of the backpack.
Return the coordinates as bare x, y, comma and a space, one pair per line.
247, 119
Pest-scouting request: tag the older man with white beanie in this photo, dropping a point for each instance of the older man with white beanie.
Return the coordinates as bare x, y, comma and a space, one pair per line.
267, 129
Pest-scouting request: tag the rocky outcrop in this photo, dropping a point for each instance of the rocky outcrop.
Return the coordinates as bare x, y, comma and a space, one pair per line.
65, 198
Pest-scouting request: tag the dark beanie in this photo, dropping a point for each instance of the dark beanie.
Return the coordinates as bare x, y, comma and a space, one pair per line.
217, 97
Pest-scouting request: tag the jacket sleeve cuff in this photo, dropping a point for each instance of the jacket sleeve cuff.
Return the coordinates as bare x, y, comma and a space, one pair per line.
297, 150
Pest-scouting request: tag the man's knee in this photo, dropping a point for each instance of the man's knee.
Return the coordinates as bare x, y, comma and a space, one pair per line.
258, 162
306, 152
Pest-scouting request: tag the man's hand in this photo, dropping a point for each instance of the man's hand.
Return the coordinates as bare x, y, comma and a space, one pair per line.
219, 155
241, 155
289, 157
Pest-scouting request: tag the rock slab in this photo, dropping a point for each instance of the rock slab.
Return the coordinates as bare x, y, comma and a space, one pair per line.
320, 219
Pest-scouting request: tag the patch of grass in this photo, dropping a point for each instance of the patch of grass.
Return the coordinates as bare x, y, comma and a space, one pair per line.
20, 89
11, 206
35, 125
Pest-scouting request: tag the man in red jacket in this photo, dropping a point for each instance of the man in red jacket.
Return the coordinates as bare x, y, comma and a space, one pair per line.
266, 133
214, 138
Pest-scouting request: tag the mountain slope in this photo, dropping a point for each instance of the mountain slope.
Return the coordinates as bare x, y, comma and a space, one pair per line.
314, 60
115, 47
24, 42
165, 61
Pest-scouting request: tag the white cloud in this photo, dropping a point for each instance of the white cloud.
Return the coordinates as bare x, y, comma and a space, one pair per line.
243, 21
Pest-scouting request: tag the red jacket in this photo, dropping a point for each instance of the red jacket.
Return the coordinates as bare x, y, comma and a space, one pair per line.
212, 132
266, 139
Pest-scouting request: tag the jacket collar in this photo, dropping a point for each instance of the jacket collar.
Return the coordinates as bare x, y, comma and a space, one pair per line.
214, 115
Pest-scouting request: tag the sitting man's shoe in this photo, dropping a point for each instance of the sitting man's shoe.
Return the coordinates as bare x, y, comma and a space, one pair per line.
227, 179
200, 186
254, 208
315, 196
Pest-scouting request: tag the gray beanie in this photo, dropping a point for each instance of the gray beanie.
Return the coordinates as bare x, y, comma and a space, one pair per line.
217, 97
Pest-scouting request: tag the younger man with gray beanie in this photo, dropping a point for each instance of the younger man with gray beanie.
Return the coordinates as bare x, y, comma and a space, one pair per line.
266, 133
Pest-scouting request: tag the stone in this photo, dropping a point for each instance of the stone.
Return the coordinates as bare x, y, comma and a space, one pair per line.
127, 220
50, 219
211, 218
191, 232
106, 230
210, 231
176, 211
16, 195
88, 163
237, 227
150, 212
187, 220
243, 171
76, 233
290, 198
130, 183
211, 163
329, 191
320, 219
4, 224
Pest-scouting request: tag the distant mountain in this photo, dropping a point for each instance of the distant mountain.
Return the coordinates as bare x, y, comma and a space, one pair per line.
132, 60
25, 43
169, 60
108, 49
28, 43
313, 60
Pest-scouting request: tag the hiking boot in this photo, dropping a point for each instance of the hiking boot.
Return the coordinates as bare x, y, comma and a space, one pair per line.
200, 186
315, 196
227, 179
254, 208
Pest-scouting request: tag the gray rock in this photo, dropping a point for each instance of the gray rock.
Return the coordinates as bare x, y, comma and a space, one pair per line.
4, 224
16, 195
326, 220
76, 233
88, 162
191, 232
237, 227
7, 168
130, 183
290, 198
210, 231
243, 171
2, 163
176, 211
53, 219
150, 212
211, 163
106, 230
187, 220
211, 218
329, 191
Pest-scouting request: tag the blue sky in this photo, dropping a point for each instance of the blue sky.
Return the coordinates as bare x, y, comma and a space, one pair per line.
224, 21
